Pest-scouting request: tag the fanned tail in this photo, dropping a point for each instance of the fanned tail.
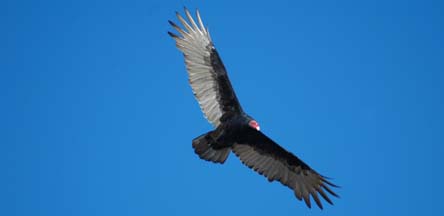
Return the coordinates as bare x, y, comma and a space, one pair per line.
204, 147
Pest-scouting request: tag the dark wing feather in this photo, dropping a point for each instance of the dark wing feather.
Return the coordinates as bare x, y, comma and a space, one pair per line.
266, 157
207, 75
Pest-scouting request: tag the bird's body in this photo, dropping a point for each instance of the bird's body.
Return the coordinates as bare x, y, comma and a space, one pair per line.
231, 130
235, 131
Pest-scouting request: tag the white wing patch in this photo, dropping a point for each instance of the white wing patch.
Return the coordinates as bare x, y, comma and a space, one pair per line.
196, 46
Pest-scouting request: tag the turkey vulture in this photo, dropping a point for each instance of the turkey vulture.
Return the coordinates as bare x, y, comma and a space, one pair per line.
234, 129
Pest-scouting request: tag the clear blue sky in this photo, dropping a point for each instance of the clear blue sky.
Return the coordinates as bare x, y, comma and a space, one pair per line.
97, 116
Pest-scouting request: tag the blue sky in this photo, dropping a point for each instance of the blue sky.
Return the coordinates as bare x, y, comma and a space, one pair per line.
97, 116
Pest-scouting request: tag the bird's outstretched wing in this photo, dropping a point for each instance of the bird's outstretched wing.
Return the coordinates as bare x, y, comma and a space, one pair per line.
207, 74
266, 157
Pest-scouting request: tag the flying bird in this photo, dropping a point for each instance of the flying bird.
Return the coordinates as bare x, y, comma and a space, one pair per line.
235, 131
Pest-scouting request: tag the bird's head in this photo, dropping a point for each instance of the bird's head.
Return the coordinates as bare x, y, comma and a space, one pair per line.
253, 123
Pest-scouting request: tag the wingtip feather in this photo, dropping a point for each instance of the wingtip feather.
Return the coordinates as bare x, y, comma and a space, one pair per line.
324, 195
329, 190
307, 201
316, 199
173, 35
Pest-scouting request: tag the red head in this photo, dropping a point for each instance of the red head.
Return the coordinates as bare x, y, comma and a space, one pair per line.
254, 125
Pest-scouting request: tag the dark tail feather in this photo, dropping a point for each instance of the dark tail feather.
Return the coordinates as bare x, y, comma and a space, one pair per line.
203, 147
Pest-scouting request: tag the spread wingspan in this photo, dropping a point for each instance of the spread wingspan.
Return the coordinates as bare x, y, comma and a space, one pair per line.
235, 130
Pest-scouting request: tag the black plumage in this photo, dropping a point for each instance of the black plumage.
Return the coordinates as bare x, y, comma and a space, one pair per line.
235, 130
